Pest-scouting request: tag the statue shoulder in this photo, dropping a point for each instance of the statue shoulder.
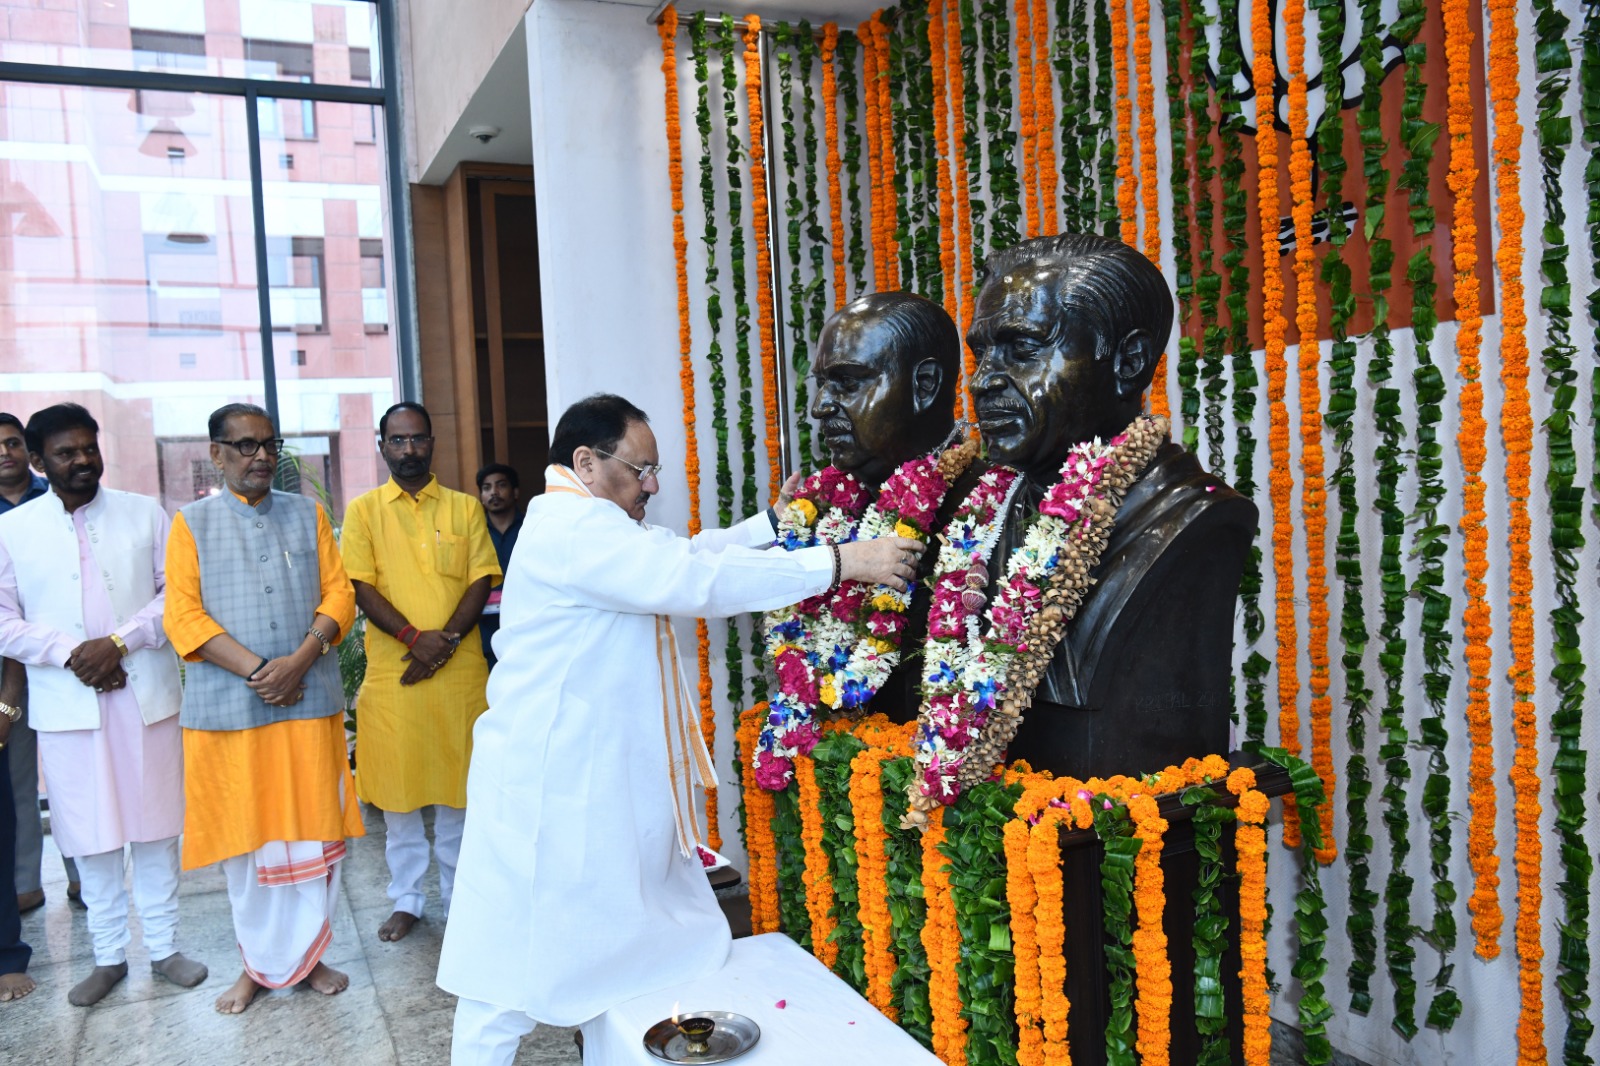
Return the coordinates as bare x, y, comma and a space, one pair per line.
1177, 497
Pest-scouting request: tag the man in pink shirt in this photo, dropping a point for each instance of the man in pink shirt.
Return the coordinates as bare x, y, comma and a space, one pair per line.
82, 587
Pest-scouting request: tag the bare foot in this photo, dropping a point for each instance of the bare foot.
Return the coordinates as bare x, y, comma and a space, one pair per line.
30, 901
398, 925
238, 996
327, 980
92, 989
14, 986
181, 970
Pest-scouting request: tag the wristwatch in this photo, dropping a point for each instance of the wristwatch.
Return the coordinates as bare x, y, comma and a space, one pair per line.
315, 632
13, 714
453, 638
121, 644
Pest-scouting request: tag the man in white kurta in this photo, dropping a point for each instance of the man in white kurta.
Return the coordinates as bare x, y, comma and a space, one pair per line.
580, 884
82, 585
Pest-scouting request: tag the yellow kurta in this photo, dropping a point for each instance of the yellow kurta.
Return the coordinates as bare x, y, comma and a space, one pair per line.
413, 743
285, 781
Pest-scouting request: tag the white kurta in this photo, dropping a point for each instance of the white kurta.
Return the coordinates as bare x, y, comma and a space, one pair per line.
572, 894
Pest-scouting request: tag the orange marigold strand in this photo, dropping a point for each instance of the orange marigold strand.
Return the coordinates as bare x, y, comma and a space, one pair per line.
869, 81
1250, 841
1516, 429
1127, 178
830, 133
941, 136
1025, 948
817, 877
872, 867
1152, 967
891, 203
1044, 119
758, 221
1044, 862
1280, 480
1484, 903
1026, 96
1313, 494
760, 841
956, 81
941, 939
1160, 403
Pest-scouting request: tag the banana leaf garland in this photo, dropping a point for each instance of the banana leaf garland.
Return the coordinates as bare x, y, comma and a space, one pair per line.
1177, 13
850, 99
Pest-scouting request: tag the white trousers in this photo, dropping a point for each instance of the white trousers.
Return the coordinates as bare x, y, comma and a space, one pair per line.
155, 893
407, 851
486, 1035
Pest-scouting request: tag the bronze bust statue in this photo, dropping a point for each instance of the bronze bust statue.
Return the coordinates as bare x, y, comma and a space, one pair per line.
886, 371
1068, 331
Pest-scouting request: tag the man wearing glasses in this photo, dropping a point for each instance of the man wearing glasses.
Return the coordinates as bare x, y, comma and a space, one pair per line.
256, 595
422, 563
582, 878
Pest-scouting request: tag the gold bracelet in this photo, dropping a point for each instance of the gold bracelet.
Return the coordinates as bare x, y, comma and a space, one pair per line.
121, 644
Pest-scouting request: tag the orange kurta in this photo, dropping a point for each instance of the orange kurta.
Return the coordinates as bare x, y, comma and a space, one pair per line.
285, 781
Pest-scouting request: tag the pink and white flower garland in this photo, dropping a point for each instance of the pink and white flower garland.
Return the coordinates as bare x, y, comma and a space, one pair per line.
978, 675
836, 650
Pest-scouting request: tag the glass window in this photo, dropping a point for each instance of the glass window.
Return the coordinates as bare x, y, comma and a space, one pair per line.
270, 40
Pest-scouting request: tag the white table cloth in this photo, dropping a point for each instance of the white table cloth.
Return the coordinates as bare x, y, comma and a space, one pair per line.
822, 1019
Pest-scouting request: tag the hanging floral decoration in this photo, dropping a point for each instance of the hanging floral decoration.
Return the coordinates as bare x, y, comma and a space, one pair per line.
954, 38
786, 41
766, 312
1180, 72
1149, 188
942, 942
759, 841
939, 67
886, 139
977, 679
1006, 226
832, 161
1044, 121
849, 97
1026, 102
872, 868
1250, 842
1106, 141
1471, 439
1127, 185
818, 879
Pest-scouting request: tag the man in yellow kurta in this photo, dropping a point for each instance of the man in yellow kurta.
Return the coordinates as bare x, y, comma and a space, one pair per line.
422, 562
256, 595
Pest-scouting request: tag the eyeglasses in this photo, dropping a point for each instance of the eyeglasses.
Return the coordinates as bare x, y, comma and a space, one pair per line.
645, 472
247, 447
397, 441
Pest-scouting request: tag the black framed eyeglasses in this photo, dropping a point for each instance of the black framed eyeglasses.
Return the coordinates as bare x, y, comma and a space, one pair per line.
397, 441
247, 447
645, 472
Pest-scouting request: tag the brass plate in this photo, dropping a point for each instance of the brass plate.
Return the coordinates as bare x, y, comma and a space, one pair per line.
734, 1035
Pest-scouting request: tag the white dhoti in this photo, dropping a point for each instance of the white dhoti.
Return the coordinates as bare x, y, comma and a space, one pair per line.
283, 895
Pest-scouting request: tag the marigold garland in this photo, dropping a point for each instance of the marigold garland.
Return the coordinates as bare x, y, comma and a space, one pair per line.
1152, 967
1280, 480
1516, 430
830, 133
1050, 965
891, 206
1025, 947
1250, 841
1026, 102
942, 941
818, 877
1146, 88
761, 844
869, 77
956, 93
872, 867
1484, 903
766, 314
1127, 177
1044, 120
1313, 497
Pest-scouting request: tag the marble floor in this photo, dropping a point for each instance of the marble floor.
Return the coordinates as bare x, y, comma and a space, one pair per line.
392, 1012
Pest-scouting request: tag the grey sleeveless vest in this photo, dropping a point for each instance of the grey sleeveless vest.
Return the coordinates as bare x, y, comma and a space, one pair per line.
260, 580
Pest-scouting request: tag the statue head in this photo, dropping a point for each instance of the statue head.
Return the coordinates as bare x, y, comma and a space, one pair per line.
1067, 331
886, 371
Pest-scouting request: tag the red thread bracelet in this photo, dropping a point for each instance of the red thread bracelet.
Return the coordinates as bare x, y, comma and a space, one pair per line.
401, 636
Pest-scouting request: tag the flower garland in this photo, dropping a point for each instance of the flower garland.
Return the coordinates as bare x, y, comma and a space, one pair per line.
1280, 480
1476, 623
831, 160
872, 869
817, 310
1236, 262
1211, 924
942, 941
1153, 969
975, 144
1144, 81
1208, 285
1105, 140
1310, 909
831, 759
837, 649
1359, 922
1313, 498
891, 204
1025, 943
1516, 429
766, 315
760, 843
1127, 178
971, 701
1250, 842
1566, 507
1027, 101
785, 40
880, 247
912, 979
1180, 70
1005, 191
956, 97
818, 878
1430, 541
1044, 121
741, 329
1070, 52
939, 66
848, 94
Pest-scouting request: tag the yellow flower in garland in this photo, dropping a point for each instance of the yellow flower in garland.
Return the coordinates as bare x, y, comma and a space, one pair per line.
882, 647
910, 532
883, 601
807, 509
828, 693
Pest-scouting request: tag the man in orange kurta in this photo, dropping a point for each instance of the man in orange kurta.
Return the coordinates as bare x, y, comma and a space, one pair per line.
268, 787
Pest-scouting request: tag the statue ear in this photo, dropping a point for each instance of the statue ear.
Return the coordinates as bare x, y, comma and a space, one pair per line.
1134, 363
927, 378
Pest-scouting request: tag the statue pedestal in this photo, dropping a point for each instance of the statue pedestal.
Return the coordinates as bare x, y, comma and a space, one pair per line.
1088, 989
